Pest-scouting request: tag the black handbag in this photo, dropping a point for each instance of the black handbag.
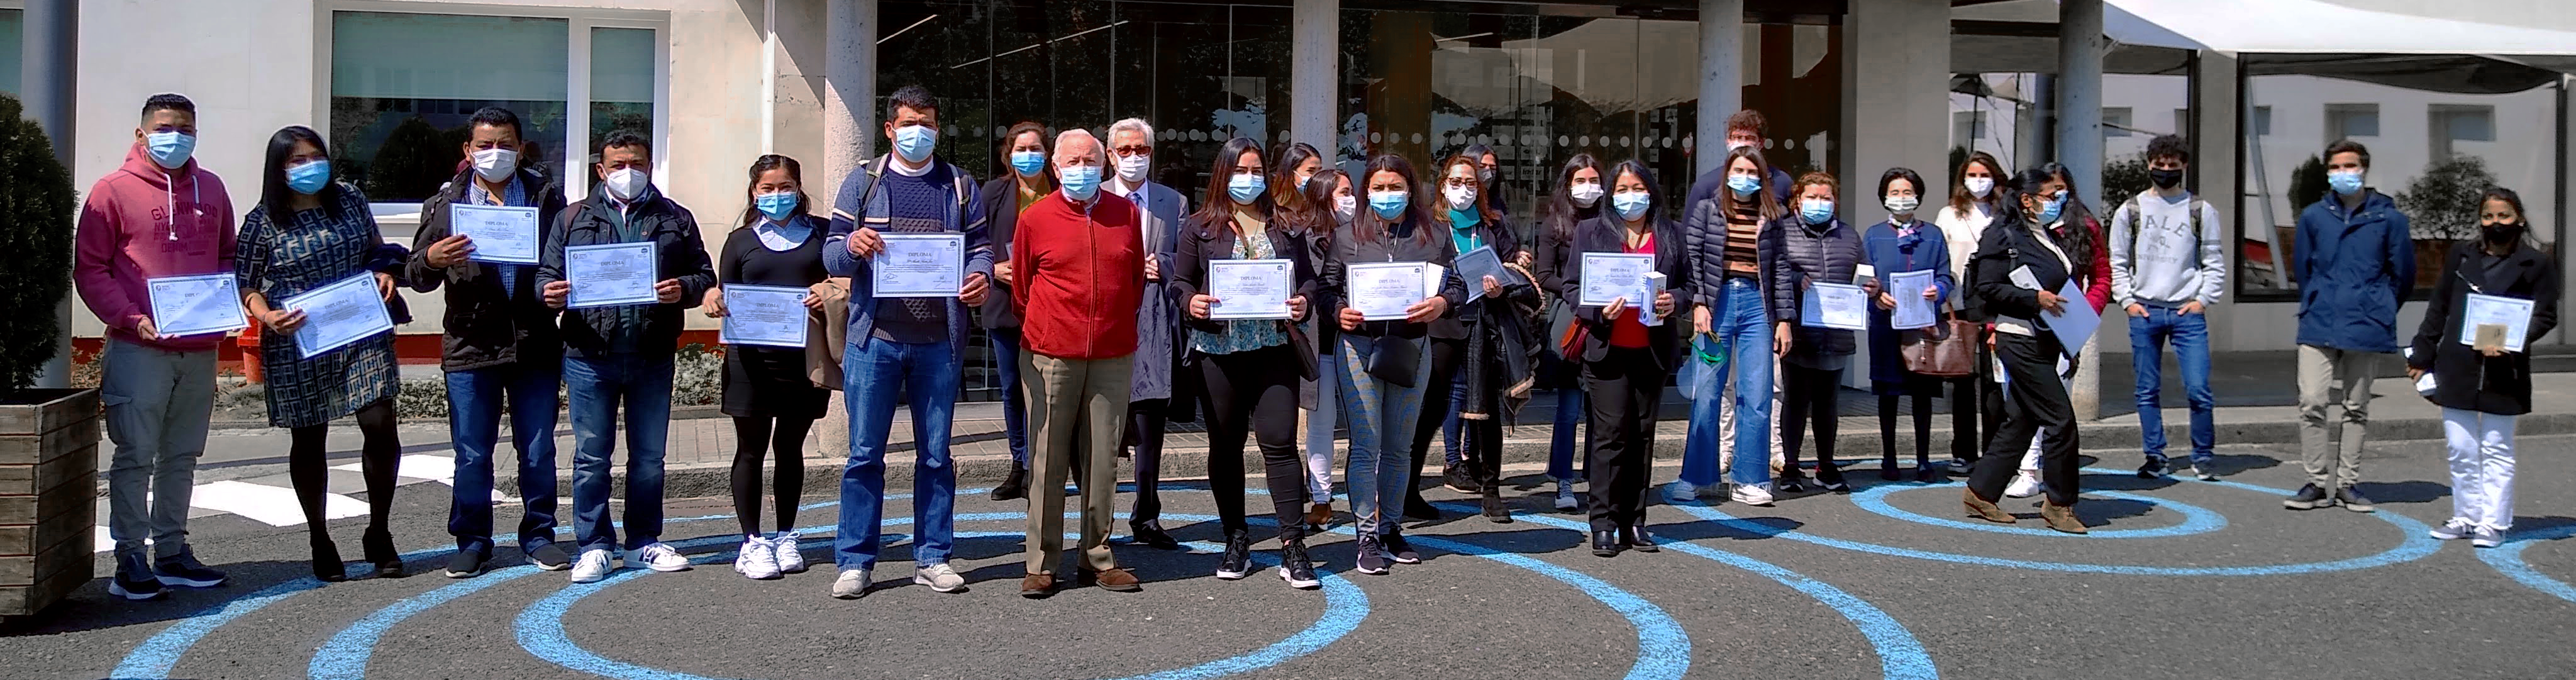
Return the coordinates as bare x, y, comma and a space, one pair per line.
1393, 360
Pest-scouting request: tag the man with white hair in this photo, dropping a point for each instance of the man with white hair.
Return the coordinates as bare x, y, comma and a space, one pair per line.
1159, 210
1078, 259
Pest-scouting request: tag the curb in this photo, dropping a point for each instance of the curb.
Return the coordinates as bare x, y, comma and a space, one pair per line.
677, 413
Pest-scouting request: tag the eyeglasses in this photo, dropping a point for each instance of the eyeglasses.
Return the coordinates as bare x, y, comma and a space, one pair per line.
1132, 150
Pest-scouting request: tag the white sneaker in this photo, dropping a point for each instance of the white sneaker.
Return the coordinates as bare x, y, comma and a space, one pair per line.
940, 577
791, 556
1680, 492
658, 556
851, 584
1751, 494
757, 560
1565, 495
2453, 530
2024, 485
592, 567
2484, 537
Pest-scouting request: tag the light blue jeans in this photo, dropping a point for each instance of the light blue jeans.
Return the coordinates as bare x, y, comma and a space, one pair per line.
1382, 417
1743, 324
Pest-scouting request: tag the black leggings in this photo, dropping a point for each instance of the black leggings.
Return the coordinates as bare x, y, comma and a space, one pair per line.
1811, 394
1921, 390
751, 435
1964, 420
1255, 390
309, 469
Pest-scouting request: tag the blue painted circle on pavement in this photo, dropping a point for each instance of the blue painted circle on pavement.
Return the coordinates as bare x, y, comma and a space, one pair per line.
2507, 559
2195, 519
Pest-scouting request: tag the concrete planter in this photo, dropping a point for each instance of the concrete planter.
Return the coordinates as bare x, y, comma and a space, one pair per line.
48, 496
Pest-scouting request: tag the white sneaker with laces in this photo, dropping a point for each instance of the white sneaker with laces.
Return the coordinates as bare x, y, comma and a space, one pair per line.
2456, 529
2484, 537
1751, 494
658, 556
592, 567
757, 560
1681, 492
940, 577
1565, 495
851, 584
791, 556
2024, 485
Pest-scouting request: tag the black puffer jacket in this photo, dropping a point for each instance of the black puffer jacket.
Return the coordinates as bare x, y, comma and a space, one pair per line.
2464, 378
1795, 254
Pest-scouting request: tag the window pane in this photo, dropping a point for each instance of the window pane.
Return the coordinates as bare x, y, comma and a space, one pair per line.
2115, 121
621, 82
403, 85
2262, 121
12, 25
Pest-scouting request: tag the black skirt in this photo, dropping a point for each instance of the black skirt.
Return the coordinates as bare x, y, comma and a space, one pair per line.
770, 382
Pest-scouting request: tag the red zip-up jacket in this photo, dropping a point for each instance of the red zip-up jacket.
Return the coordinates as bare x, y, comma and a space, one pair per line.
1077, 277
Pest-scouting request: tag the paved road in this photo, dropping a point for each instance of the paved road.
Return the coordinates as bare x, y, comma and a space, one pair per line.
2220, 583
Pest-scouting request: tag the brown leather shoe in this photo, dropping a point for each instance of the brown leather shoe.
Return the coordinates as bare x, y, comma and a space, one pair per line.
1983, 509
1036, 586
1321, 515
2061, 518
1113, 578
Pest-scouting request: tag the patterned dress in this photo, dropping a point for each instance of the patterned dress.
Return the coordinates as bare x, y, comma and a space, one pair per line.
309, 250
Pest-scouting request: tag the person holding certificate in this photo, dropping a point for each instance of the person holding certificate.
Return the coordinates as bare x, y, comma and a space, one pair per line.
1003, 199
1904, 248
619, 354
308, 234
1809, 259
2470, 342
1079, 259
1734, 433
2020, 267
1625, 362
1376, 265
501, 342
1469, 221
1493, 336
158, 216
776, 258
907, 345
1244, 283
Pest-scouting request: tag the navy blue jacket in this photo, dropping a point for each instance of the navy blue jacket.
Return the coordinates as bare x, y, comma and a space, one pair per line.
2353, 270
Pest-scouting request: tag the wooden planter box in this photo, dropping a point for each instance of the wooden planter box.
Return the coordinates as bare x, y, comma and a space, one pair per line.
48, 496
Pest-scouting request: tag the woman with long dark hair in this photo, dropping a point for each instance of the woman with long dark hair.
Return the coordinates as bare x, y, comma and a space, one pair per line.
2481, 385
2029, 239
1580, 189
1491, 376
1250, 366
1963, 221
2083, 234
1731, 432
308, 232
1903, 244
1297, 164
1024, 151
1330, 205
1625, 362
1384, 366
767, 391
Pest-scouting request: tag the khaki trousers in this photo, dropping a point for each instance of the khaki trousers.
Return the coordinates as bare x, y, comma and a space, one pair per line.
2320, 369
1077, 411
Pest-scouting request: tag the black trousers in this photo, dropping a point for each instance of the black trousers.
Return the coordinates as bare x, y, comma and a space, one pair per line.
1145, 434
1255, 390
1436, 407
1623, 391
1920, 390
1964, 421
2036, 405
1811, 394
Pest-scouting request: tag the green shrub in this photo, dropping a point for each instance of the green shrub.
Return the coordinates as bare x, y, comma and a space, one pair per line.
2442, 203
36, 205
697, 376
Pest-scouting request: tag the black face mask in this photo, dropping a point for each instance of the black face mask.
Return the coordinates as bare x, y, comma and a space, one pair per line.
2501, 232
2165, 179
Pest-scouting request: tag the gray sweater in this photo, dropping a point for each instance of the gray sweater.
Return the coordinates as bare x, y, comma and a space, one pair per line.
2166, 262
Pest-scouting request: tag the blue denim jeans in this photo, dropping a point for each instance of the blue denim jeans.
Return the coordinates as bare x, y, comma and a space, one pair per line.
1561, 451
2190, 336
598, 386
1743, 325
1015, 410
1453, 440
874, 371
1382, 417
475, 404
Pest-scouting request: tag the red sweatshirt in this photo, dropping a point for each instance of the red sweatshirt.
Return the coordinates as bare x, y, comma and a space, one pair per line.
141, 223
1078, 276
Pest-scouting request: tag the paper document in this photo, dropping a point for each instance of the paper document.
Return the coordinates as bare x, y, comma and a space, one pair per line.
920, 265
343, 312
2493, 321
611, 274
1834, 305
764, 315
196, 305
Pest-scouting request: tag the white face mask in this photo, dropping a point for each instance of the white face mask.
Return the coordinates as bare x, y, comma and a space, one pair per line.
1460, 198
1131, 169
1903, 205
628, 183
1585, 195
495, 164
1346, 208
1980, 186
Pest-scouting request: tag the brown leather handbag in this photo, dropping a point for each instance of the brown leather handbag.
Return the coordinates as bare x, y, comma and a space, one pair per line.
1943, 350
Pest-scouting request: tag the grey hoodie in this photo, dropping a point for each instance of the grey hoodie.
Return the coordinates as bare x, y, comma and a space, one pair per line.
2166, 262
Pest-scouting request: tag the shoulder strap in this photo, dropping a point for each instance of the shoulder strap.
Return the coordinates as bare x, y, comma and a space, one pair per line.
2199, 237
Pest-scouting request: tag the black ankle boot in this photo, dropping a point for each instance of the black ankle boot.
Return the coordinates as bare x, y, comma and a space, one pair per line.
1013, 487
326, 560
379, 545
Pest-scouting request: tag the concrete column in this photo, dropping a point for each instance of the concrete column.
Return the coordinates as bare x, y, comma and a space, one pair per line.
1314, 58
47, 70
849, 89
1721, 79
1897, 56
2079, 146
2214, 177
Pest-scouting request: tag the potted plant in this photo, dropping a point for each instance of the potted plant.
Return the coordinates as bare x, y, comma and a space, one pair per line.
48, 437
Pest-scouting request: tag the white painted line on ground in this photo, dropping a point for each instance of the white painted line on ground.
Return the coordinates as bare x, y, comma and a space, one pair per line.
415, 465
270, 505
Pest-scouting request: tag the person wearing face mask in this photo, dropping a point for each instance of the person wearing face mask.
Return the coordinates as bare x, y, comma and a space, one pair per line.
1156, 382
1580, 190
2067, 218
502, 354
1466, 217
1962, 220
1081, 263
1385, 366
1799, 251
1746, 129
621, 356
1489, 371
1331, 205
158, 215
1003, 199
2020, 266
1903, 243
904, 346
2355, 266
1625, 362
2482, 386
2168, 266
1489, 176
767, 390
1731, 428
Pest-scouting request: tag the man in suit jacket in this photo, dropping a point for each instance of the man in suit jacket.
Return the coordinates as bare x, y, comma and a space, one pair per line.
1131, 151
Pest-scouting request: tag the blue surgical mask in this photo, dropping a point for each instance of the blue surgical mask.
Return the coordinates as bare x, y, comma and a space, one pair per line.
776, 205
2051, 207
1028, 163
1744, 185
1816, 211
1389, 205
1246, 188
1631, 204
2344, 182
170, 149
1080, 181
915, 142
309, 177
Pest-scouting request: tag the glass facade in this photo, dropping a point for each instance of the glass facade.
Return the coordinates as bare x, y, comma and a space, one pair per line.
13, 26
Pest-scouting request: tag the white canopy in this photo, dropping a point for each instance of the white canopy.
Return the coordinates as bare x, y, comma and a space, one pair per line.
2507, 27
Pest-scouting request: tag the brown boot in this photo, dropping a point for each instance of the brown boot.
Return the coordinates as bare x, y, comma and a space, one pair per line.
1983, 509
2060, 517
1113, 579
1320, 516
1037, 585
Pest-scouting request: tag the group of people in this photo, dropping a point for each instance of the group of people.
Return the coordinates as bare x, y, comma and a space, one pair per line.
1095, 286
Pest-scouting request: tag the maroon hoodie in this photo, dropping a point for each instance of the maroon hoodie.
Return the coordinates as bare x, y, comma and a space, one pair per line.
141, 223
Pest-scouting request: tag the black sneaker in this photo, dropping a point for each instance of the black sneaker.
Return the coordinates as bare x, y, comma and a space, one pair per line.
550, 557
2308, 498
1152, 535
1457, 479
1238, 555
185, 571
2155, 469
465, 564
1013, 487
1962, 467
1495, 510
1791, 482
1294, 568
1928, 474
1372, 555
2351, 499
2206, 471
135, 580
1417, 509
1399, 549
